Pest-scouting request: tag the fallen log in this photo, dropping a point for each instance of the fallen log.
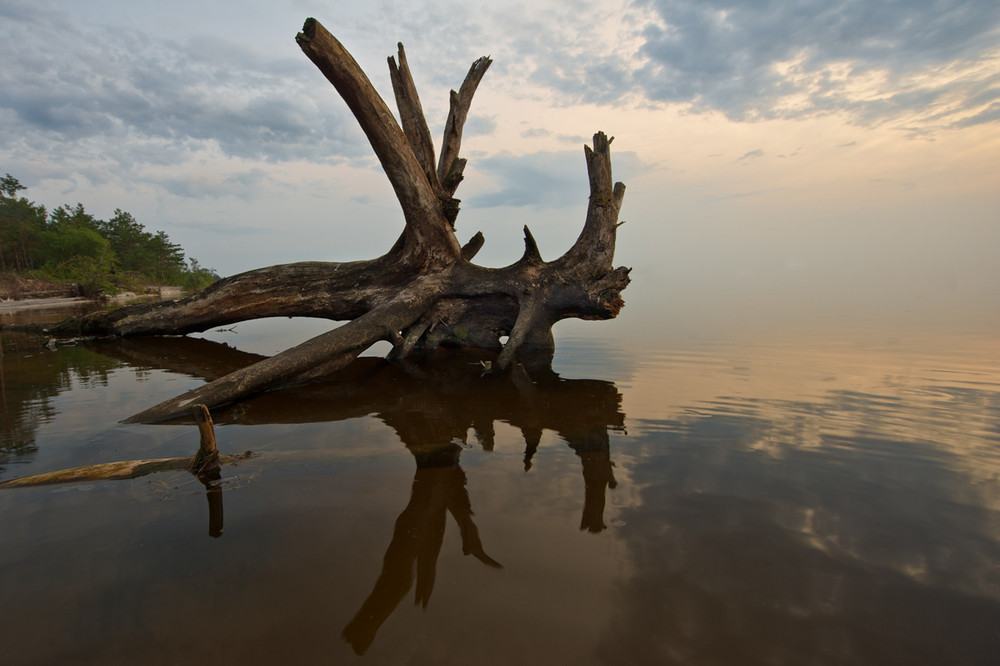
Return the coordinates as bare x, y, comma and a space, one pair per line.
425, 291
204, 464
112, 471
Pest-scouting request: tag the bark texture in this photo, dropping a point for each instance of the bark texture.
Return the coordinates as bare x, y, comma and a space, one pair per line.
425, 291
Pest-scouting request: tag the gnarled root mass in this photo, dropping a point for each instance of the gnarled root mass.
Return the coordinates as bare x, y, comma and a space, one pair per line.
425, 291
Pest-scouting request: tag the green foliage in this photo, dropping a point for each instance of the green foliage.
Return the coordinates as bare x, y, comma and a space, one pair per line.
65, 217
21, 226
197, 277
10, 186
167, 260
63, 244
140, 252
103, 256
92, 273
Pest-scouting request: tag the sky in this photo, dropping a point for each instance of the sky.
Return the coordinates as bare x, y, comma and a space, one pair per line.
783, 159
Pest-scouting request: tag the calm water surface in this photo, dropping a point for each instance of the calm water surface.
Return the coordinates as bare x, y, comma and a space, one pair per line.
822, 497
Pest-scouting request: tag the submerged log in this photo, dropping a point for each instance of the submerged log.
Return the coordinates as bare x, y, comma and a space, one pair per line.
425, 291
204, 464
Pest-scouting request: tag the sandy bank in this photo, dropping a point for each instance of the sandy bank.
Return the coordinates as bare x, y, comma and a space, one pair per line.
165, 293
35, 303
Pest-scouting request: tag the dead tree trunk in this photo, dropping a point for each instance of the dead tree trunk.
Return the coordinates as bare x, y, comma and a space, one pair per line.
425, 291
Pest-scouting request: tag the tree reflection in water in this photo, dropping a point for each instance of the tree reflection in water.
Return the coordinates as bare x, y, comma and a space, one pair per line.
438, 489
31, 376
432, 405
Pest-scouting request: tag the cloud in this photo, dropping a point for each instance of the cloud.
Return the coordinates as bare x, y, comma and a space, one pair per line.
934, 64
142, 93
547, 179
990, 114
602, 80
753, 154
233, 184
924, 64
874, 60
543, 179
533, 132
479, 126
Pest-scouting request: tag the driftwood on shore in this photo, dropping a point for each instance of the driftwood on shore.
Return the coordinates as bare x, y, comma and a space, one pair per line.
425, 292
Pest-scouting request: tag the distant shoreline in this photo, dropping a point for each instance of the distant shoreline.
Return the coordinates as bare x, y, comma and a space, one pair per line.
163, 292
50, 302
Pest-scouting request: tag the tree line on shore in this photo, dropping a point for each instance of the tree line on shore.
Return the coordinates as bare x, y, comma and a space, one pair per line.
70, 245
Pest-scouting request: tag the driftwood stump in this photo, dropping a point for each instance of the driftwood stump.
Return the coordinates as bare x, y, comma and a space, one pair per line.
425, 291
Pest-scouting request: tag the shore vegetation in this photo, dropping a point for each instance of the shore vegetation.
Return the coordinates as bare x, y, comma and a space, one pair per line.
69, 250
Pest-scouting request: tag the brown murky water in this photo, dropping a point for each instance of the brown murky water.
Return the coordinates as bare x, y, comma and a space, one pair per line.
831, 498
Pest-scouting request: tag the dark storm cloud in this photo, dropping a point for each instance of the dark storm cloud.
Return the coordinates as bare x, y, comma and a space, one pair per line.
141, 93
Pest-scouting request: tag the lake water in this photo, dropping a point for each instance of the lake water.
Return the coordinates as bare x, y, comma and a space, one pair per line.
815, 496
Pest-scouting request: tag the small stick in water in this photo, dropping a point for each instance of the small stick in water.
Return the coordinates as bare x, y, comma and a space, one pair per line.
208, 451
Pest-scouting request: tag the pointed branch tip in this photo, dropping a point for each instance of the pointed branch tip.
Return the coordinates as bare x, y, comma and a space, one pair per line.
531, 253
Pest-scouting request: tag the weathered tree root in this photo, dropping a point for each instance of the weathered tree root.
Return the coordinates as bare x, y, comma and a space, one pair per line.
425, 291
